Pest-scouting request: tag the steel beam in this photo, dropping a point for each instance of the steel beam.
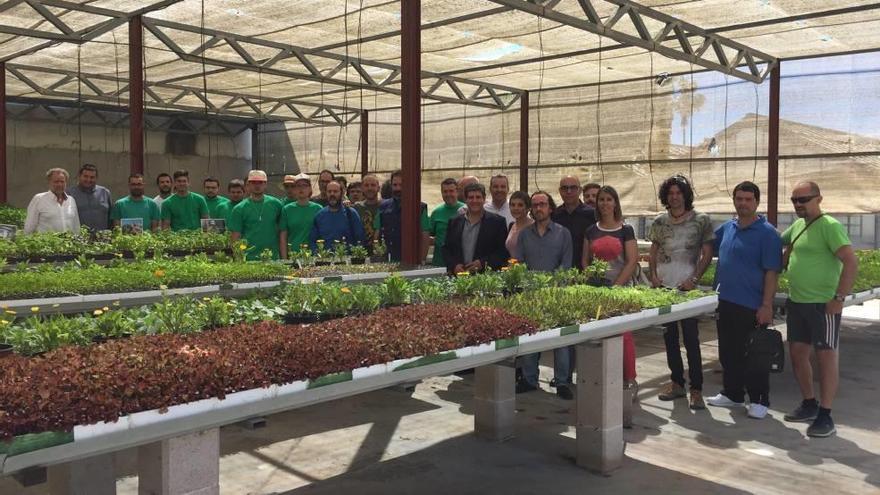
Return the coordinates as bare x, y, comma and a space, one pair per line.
411, 129
230, 103
64, 32
524, 142
773, 149
3, 186
136, 93
365, 143
369, 75
730, 56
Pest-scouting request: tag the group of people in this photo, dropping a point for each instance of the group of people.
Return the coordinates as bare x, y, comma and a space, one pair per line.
472, 233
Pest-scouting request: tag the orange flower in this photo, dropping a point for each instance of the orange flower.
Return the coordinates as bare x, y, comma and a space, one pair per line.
512, 261
159, 273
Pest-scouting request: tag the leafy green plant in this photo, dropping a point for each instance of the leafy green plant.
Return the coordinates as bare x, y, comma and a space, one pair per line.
175, 316
396, 290
359, 251
380, 250
365, 298
339, 249
514, 276
333, 300
322, 252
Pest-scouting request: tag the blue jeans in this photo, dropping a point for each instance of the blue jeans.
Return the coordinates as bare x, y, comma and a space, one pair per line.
561, 366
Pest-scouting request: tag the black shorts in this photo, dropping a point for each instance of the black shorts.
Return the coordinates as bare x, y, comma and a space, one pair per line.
810, 324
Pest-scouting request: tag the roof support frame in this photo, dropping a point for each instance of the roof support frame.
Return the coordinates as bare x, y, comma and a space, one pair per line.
683, 30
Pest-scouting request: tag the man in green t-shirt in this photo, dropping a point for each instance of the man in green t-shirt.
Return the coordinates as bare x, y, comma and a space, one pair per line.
296, 219
822, 268
135, 205
235, 193
256, 218
183, 210
218, 206
291, 191
439, 220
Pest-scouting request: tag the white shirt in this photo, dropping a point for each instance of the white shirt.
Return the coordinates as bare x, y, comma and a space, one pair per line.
504, 211
158, 199
45, 214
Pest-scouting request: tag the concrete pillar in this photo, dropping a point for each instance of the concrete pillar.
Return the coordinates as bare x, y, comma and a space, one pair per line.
495, 401
185, 465
599, 425
92, 476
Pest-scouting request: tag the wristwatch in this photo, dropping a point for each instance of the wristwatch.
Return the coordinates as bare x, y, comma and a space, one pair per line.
839, 297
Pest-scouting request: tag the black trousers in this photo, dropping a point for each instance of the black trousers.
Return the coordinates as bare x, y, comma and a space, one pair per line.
692, 347
735, 324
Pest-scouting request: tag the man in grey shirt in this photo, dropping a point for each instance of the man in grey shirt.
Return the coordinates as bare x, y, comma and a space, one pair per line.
545, 246
93, 202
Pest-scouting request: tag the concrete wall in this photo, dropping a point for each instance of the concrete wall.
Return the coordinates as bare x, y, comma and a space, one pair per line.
35, 146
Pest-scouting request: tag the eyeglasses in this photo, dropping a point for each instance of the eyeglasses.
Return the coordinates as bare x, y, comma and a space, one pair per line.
801, 200
569, 188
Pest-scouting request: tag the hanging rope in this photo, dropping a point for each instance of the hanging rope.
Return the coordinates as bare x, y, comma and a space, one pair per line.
757, 109
340, 131
79, 131
540, 94
465, 157
691, 127
651, 135
118, 88
726, 94
205, 82
599, 117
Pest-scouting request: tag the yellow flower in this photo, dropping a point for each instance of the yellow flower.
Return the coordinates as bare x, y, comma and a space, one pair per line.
504, 268
320, 241
4, 322
462, 274
35, 309
9, 312
105, 308
118, 255
55, 305
289, 277
242, 247
345, 290
163, 286
116, 303
159, 273
206, 298
512, 261
97, 312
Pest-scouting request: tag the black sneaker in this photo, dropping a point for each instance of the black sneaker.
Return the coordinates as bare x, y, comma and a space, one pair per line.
804, 413
522, 387
823, 426
564, 392
553, 383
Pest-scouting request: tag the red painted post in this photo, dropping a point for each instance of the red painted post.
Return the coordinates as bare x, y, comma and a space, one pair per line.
3, 187
773, 148
524, 142
410, 128
136, 92
365, 143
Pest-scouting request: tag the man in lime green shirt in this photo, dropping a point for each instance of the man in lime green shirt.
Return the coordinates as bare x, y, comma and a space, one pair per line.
296, 219
256, 218
218, 206
822, 268
135, 205
183, 210
439, 220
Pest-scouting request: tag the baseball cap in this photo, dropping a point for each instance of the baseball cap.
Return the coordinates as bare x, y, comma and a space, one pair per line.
256, 176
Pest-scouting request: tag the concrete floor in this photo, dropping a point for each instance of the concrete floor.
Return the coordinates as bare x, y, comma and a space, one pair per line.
386, 442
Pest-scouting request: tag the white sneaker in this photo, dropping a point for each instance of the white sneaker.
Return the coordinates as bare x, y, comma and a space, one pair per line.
757, 411
721, 400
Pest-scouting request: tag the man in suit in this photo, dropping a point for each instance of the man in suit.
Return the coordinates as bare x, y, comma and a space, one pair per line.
475, 240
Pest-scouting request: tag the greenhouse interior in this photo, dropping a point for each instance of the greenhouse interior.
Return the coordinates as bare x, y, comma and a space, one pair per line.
446, 246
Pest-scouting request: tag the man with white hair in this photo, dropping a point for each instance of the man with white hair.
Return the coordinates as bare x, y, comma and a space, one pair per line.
53, 210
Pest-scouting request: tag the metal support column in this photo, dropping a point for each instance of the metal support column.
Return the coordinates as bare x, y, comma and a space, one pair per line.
3, 187
524, 142
365, 143
136, 92
773, 148
410, 128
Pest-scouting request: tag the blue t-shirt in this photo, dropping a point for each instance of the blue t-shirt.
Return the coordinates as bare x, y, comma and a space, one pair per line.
743, 257
332, 226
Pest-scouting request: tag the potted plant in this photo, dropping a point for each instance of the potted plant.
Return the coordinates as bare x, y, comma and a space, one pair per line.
323, 255
339, 252
380, 251
359, 255
299, 301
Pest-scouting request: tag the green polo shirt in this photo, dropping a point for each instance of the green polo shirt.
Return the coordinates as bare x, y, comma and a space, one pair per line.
297, 221
257, 222
185, 212
145, 208
440, 218
218, 207
814, 268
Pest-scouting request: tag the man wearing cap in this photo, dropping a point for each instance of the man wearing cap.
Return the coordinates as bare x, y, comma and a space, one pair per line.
183, 210
256, 218
290, 189
297, 217
218, 206
336, 222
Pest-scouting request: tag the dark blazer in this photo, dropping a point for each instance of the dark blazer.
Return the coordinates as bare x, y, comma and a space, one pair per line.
490, 247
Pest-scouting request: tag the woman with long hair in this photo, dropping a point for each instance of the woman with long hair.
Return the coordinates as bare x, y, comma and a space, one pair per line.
613, 241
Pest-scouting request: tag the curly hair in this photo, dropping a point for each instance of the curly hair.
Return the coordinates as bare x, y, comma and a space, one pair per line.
684, 185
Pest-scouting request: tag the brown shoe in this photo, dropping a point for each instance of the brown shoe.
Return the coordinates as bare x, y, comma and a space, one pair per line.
696, 400
672, 391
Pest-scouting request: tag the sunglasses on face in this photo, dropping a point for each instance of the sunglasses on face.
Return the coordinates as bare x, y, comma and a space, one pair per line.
801, 200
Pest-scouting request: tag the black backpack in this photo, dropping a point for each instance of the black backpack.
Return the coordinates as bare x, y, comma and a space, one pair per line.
765, 351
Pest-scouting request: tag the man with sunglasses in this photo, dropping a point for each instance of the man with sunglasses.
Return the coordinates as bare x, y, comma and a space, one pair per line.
821, 270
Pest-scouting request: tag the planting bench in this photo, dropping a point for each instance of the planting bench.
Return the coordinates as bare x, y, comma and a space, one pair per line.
179, 446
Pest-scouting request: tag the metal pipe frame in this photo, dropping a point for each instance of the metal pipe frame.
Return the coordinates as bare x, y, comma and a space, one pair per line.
773, 148
468, 91
136, 95
285, 109
365, 143
65, 33
411, 130
3, 184
744, 56
524, 142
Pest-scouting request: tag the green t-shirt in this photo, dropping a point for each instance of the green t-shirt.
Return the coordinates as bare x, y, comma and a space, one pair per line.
257, 222
297, 221
145, 209
286, 201
185, 212
813, 268
218, 207
440, 218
